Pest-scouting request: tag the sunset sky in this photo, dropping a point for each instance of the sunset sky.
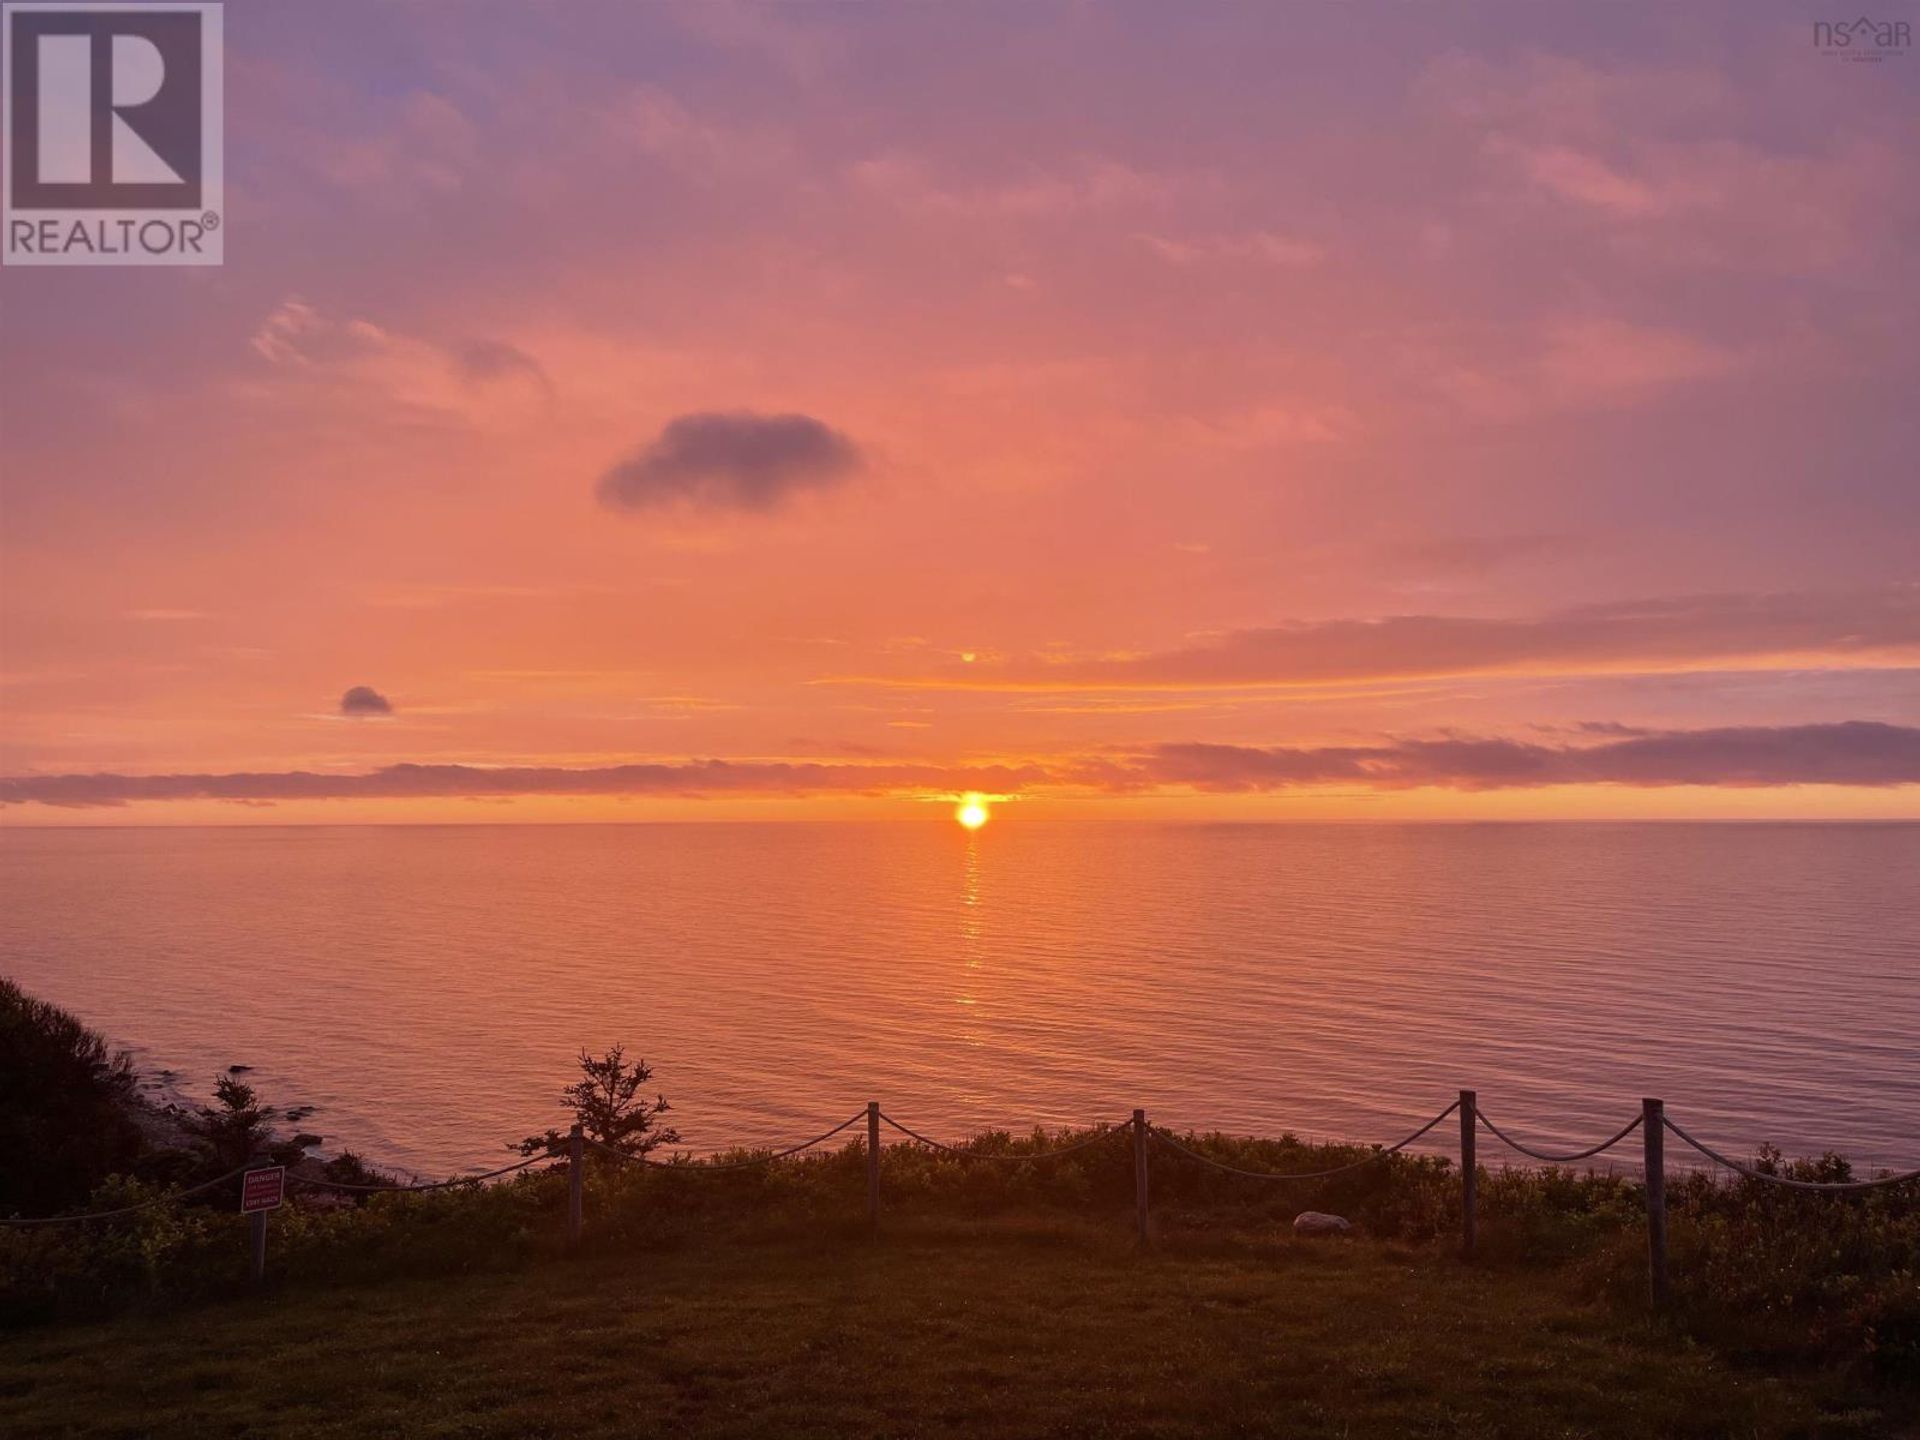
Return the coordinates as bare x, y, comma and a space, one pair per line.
1233, 411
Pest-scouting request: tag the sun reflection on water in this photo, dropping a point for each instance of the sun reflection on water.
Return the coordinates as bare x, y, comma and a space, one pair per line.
972, 916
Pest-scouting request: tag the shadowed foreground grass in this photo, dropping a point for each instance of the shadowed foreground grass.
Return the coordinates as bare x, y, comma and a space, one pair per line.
941, 1328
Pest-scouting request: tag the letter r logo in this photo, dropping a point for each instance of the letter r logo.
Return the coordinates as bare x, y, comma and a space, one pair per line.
136, 74
105, 107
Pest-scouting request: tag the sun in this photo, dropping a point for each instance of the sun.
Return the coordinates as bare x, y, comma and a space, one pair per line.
972, 811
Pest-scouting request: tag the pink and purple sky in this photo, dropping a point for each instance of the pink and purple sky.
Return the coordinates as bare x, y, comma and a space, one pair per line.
700, 410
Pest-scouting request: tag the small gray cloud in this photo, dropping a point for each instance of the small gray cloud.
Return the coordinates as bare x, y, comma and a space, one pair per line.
365, 700
478, 361
735, 460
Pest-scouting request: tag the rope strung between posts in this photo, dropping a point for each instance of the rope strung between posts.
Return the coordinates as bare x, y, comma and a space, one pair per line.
1163, 1136
1606, 1144
415, 1189
1166, 1139
964, 1154
708, 1167
165, 1199
1752, 1174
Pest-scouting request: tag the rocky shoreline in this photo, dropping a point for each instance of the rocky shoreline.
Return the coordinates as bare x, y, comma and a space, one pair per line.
163, 1113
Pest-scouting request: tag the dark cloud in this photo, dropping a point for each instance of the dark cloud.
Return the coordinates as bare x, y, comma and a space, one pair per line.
1646, 635
365, 700
730, 461
686, 778
479, 361
1854, 752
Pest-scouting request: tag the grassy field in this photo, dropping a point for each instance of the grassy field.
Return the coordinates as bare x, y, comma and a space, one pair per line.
940, 1328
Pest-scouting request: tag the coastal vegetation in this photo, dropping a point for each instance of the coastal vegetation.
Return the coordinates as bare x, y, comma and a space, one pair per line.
609, 1105
65, 1124
1821, 1292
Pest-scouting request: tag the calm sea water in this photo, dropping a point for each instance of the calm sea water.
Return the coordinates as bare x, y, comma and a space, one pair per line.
426, 989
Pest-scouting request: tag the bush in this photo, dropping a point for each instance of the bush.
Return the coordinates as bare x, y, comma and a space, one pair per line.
65, 1125
1779, 1276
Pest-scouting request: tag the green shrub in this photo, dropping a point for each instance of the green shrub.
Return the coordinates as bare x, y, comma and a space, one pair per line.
64, 1127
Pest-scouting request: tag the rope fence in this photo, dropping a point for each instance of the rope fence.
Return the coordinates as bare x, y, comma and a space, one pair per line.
1103, 1134
341, 1185
713, 1167
1652, 1122
164, 1198
1788, 1181
1380, 1153
1560, 1159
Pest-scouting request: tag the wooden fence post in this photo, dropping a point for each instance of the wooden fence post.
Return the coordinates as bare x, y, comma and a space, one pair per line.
576, 1183
1469, 1174
1653, 1127
1140, 1173
873, 1164
257, 1227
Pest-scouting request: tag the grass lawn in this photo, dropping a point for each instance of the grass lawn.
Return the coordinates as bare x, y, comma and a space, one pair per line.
936, 1330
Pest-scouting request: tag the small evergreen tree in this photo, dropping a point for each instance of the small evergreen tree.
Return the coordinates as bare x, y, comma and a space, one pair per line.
237, 1128
607, 1103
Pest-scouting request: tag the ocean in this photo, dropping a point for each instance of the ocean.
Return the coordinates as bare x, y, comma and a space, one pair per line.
426, 989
